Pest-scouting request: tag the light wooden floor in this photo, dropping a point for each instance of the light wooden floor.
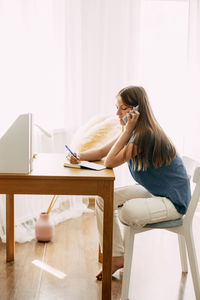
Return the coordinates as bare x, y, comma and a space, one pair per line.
156, 266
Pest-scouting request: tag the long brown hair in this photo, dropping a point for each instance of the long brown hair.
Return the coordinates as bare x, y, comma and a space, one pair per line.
147, 130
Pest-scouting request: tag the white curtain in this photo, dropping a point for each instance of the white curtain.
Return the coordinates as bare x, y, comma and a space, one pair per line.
191, 142
101, 55
64, 61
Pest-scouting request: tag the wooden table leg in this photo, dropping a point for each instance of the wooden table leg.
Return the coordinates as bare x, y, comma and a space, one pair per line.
10, 230
107, 240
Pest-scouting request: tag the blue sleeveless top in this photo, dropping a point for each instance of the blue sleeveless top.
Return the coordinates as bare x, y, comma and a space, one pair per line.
170, 181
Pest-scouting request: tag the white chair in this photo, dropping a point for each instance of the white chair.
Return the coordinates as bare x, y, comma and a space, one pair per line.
182, 227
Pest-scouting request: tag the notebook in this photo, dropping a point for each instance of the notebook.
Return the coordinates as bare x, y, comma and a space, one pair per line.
85, 165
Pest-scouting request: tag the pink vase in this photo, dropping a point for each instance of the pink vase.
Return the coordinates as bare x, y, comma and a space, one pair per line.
44, 228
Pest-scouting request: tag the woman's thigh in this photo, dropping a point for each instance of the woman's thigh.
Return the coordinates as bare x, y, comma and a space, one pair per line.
141, 211
123, 194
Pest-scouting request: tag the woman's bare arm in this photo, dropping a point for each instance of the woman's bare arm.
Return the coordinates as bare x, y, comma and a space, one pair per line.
97, 154
92, 155
120, 152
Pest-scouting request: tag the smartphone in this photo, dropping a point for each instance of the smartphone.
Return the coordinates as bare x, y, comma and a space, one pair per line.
125, 119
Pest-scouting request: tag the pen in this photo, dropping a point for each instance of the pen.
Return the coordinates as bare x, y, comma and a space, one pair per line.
71, 152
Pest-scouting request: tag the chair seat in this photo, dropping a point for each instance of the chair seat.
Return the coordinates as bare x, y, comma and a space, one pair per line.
166, 224
163, 224
181, 226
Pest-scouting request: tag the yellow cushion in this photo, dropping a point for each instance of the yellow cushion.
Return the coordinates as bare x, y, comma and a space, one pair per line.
97, 132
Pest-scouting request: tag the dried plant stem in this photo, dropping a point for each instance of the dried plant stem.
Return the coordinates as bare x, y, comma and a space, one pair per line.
52, 203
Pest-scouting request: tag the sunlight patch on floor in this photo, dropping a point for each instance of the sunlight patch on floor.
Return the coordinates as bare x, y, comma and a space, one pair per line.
49, 269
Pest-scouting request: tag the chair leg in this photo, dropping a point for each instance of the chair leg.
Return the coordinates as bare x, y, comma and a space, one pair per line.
183, 254
129, 240
193, 261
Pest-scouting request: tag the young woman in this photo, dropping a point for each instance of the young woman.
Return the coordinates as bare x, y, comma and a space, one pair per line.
163, 189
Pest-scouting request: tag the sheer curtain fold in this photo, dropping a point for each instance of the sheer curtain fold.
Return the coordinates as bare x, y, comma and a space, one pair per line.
64, 61
191, 142
100, 55
109, 52
194, 35
66, 54
29, 207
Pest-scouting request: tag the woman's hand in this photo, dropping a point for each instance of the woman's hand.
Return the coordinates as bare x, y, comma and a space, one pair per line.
132, 120
72, 159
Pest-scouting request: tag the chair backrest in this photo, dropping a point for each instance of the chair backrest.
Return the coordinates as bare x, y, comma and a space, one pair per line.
193, 171
190, 165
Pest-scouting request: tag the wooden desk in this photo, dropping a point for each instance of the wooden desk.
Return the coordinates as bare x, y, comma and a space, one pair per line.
50, 177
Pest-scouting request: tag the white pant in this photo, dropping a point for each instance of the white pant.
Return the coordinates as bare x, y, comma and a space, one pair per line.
139, 208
